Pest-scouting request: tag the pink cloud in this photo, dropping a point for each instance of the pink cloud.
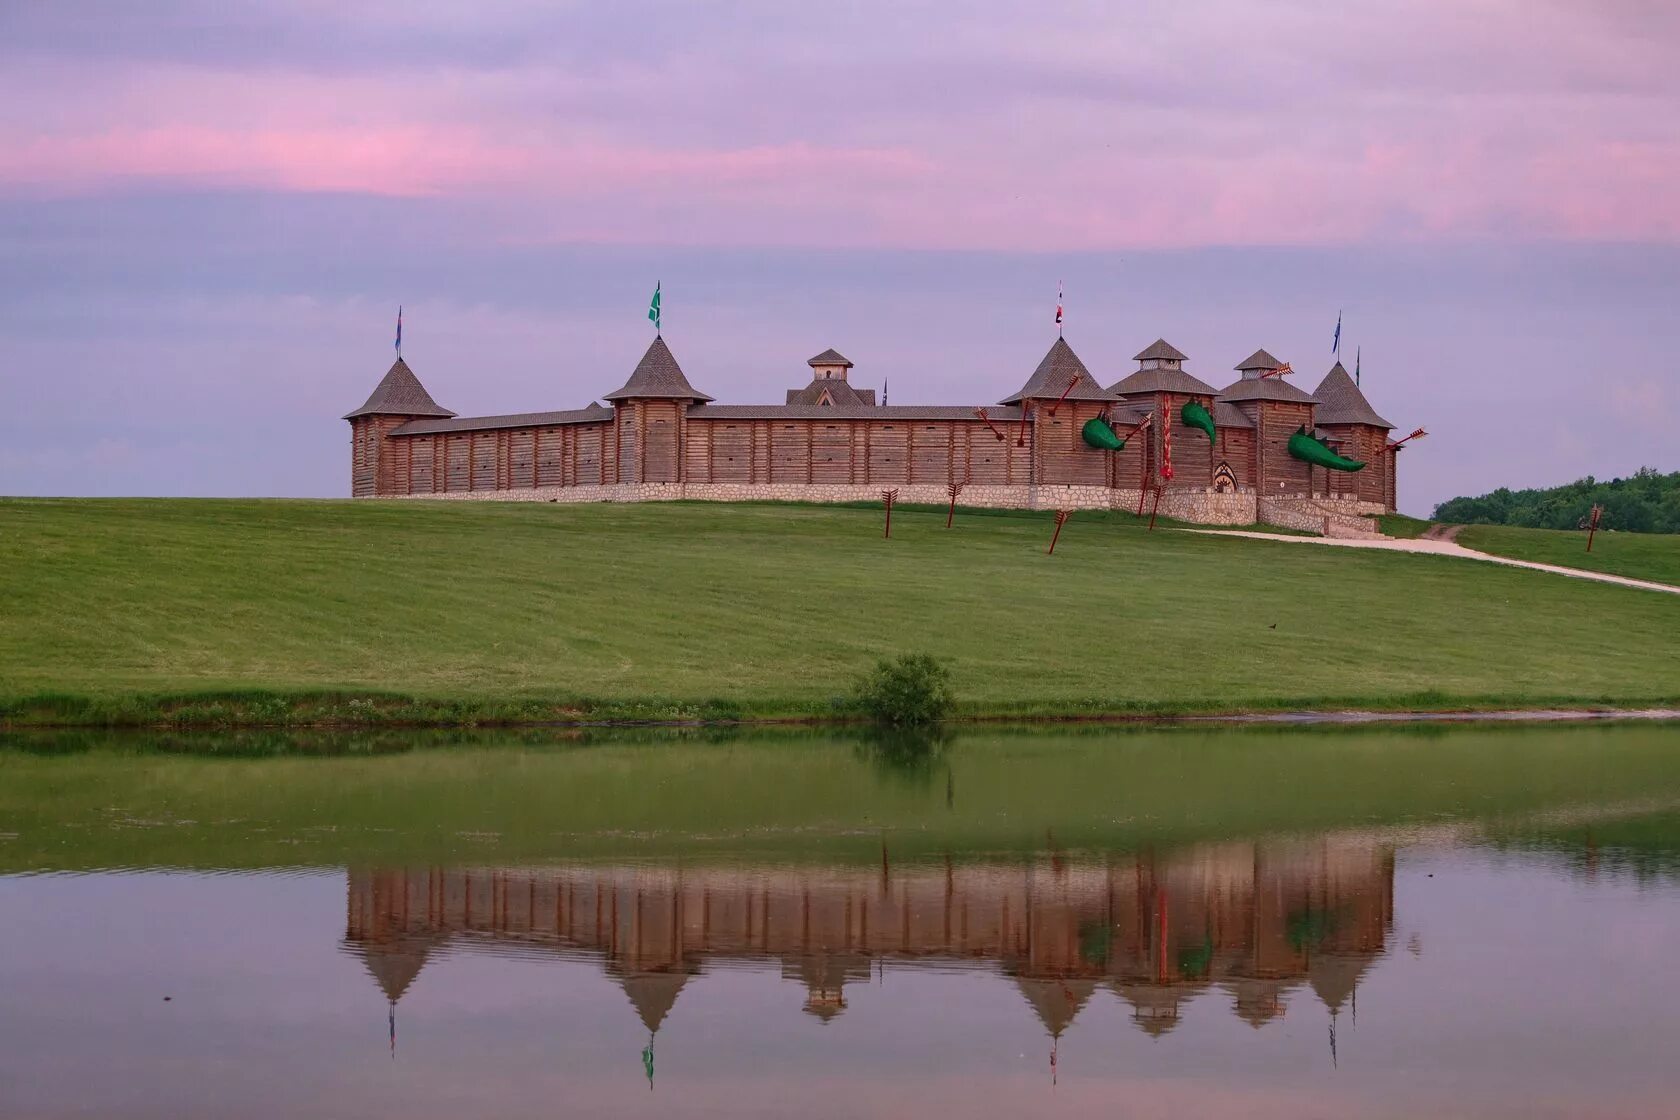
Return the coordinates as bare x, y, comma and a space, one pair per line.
411, 161
1385, 123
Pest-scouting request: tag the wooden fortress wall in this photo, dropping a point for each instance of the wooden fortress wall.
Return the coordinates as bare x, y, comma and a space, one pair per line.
655, 441
1369, 445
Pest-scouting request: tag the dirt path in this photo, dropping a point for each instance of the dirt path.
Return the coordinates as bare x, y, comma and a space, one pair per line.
1445, 546
1448, 533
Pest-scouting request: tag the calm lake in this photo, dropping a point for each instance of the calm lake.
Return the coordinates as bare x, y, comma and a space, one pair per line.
1268, 922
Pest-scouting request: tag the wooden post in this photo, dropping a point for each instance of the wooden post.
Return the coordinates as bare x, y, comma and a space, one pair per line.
889, 496
1156, 508
1592, 525
954, 489
1061, 519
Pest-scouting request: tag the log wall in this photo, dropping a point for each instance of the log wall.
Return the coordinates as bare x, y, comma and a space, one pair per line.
650, 442
1367, 444
1193, 455
1276, 470
1235, 448
1063, 458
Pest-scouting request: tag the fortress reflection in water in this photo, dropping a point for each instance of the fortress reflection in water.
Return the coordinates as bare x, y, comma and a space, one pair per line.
1254, 919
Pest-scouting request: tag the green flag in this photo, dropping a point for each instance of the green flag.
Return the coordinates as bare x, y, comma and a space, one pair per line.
653, 309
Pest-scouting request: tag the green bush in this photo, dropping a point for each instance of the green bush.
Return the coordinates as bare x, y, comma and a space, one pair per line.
912, 691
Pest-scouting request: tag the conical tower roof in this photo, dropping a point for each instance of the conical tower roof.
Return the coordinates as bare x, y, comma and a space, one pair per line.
1260, 359
399, 393
1341, 402
657, 375
652, 994
1056, 1001
830, 357
1334, 976
1060, 366
395, 963
1160, 350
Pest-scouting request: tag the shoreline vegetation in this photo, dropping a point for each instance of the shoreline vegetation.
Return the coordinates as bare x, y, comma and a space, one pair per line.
360, 710
76, 800
221, 614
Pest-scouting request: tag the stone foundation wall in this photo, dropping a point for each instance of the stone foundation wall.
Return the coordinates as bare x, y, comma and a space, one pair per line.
1336, 517
991, 497
1200, 507
1204, 507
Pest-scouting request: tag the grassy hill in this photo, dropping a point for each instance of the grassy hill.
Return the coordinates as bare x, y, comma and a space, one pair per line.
245, 610
1648, 556
1652, 556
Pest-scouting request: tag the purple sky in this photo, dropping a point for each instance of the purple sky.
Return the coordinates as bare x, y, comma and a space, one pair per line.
209, 212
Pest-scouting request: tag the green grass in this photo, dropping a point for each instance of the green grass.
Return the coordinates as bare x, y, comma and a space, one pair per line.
1649, 556
231, 612
1399, 525
86, 799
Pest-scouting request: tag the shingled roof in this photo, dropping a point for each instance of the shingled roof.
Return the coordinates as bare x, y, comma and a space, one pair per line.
1160, 350
1056, 1000
657, 375
1060, 366
1161, 381
883, 412
399, 393
1265, 389
1260, 359
588, 415
395, 962
839, 392
1341, 402
1226, 415
830, 357
652, 994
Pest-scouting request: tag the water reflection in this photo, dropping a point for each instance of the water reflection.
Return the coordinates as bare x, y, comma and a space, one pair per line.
1147, 924
1253, 920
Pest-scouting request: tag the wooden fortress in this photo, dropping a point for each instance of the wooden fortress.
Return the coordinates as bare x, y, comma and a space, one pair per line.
658, 437
1258, 921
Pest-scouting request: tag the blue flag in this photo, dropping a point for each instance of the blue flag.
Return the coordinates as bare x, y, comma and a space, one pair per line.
1336, 343
399, 330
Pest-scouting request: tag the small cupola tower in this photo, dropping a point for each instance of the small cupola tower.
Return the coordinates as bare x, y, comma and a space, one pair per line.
398, 398
1258, 365
1183, 446
831, 384
830, 365
1271, 408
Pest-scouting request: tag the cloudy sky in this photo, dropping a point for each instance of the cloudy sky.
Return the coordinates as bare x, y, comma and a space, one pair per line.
209, 213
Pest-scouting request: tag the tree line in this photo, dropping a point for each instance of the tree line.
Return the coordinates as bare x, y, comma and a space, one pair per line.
1646, 502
